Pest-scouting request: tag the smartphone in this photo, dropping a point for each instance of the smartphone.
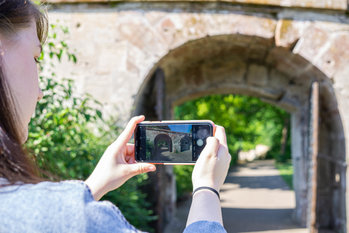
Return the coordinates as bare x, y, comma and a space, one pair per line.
171, 142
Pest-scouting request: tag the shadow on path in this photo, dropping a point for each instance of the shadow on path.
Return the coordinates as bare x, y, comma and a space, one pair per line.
254, 198
257, 182
258, 220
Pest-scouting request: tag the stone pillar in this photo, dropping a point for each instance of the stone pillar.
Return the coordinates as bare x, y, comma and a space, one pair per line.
299, 168
162, 187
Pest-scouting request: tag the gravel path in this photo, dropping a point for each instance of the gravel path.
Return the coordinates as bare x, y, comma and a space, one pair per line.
254, 199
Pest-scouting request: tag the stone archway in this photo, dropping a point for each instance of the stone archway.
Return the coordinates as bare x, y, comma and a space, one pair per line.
162, 143
256, 67
135, 35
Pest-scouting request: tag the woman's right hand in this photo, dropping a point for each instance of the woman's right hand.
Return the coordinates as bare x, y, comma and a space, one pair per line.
212, 166
210, 170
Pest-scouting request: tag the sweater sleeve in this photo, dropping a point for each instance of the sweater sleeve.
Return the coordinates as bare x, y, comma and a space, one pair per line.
66, 206
205, 227
103, 216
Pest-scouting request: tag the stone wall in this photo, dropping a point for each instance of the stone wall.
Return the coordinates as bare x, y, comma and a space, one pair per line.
321, 4
141, 57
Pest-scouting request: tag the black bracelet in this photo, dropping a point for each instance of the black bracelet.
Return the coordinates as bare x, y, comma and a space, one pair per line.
209, 188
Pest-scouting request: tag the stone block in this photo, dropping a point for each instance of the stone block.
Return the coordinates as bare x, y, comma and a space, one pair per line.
218, 24
168, 27
254, 25
311, 43
336, 54
278, 80
341, 81
132, 27
288, 32
187, 27
219, 71
257, 52
286, 62
257, 75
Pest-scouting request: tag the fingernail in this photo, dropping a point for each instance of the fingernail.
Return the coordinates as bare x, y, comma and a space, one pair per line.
151, 168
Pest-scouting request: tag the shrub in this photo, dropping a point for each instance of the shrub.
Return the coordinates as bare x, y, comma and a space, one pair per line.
183, 180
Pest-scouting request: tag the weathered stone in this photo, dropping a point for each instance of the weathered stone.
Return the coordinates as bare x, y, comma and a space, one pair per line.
288, 32
264, 93
191, 27
233, 71
289, 64
311, 43
254, 25
204, 52
257, 75
336, 54
277, 79
122, 96
139, 33
341, 83
326, 4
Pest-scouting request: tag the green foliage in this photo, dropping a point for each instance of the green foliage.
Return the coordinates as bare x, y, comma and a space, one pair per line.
286, 172
69, 134
247, 120
183, 179
59, 134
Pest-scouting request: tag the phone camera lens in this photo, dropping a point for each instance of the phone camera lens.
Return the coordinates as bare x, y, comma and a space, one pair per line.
200, 142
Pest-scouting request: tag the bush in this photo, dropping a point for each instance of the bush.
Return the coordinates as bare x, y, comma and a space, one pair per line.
183, 179
68, 135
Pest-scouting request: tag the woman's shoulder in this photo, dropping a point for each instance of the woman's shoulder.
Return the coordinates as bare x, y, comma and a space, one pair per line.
44, 185
50, 193
66, 206
44, 191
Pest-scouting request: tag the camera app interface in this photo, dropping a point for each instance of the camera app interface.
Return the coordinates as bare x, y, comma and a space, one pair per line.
173, 143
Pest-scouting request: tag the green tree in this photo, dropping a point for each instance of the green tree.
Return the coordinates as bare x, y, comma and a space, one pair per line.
247, 120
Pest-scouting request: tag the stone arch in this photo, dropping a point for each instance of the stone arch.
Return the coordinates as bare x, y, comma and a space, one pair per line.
185, 143
255, 66
162, 143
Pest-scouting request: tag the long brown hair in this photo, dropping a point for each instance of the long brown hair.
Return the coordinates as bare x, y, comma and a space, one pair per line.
15, 163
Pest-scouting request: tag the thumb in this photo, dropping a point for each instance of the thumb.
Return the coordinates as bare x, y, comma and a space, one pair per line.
139, 168
211, 148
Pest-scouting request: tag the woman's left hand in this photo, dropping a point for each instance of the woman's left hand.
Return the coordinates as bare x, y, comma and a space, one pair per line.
117, 164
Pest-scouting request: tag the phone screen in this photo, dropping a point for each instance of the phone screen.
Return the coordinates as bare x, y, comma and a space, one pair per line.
171, 143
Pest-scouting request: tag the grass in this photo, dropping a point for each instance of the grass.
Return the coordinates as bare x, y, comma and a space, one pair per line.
286, 172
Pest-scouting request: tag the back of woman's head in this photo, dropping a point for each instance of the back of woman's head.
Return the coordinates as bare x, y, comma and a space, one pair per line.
14, 163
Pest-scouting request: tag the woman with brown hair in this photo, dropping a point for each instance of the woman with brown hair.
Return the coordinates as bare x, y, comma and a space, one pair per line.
28, 203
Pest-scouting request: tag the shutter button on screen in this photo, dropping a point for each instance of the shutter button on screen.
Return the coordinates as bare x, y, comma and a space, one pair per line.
200, 142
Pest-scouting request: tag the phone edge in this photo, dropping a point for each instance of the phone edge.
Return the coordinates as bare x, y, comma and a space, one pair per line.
171, 121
